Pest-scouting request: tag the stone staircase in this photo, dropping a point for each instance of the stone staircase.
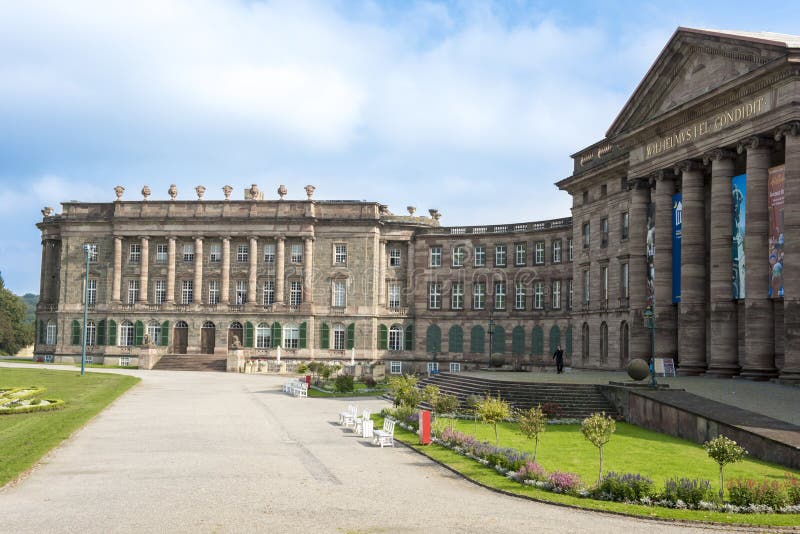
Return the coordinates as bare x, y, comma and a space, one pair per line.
574, 400
191, 362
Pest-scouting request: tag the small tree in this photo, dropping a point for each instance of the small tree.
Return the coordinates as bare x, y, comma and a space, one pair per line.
447, 404
431, 395
473, 402
724, 451
598, 428
532, 423
404, 390
493, 410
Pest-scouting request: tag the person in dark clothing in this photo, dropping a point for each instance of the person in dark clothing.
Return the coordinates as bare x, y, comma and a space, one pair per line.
558, 356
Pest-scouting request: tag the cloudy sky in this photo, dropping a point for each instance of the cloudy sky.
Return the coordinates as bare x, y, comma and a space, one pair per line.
469, 107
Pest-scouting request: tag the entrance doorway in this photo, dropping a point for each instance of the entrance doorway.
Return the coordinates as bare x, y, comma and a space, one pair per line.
180, 337
207, 338
235, 331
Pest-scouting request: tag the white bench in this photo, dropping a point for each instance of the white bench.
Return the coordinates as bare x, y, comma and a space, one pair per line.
385, 437
290, 386
348, 416
358, 422
301, 390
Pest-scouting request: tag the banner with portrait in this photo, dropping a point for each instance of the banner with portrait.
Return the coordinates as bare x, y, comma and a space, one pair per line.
775, 190
677, 224
739, 196
650, 254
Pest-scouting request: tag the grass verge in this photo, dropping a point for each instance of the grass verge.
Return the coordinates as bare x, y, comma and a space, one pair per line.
318, 393
25, 438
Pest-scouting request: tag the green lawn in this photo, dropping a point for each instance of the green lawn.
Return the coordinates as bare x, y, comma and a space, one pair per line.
24, 438
360, 391
632, 449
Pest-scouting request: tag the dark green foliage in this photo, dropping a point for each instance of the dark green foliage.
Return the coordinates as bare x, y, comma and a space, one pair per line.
383, 337
30, 300
690, 491
343, 384
744, 491
625, 487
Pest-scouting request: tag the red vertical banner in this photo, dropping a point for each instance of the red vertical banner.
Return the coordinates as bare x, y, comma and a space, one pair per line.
775, 190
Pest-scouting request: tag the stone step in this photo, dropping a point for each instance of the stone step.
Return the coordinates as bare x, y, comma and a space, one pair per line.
191, 362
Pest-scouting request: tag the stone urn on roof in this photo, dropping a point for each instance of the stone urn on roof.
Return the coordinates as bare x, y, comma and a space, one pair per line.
173, 191
227, 190
146, 193
119, 190
282, 191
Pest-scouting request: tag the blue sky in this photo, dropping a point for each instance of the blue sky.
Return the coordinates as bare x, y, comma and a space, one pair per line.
472, 108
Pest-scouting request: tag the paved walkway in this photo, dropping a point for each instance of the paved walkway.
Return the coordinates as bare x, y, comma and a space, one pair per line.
214, 452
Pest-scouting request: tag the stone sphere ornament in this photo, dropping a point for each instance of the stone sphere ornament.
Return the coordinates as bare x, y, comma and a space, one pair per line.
282, 191
173, 191
638, 369
146, 192
119, 190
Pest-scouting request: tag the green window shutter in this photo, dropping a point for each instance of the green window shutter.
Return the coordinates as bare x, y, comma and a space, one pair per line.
76, 332
324, 336
433, 339
301, 343
41, 331
537, 341
555, 338
350, 339
112, 332
248, 334
276, 334
518, 340
477, 340
383, 337
101, 333
499, 340
455, 339
409, 346
138, 333
568, 341
165, 333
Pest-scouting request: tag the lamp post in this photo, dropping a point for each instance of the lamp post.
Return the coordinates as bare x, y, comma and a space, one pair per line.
86, 252
491, 335
650, 319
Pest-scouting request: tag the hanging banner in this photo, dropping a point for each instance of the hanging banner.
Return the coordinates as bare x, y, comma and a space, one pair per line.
677, 222
739, 193
651, 252
775, 189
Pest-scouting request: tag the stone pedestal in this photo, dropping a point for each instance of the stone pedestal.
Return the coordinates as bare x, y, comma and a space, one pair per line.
235, 361
148, 357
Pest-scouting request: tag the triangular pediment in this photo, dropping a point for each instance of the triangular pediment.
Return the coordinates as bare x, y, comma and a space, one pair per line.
692, 64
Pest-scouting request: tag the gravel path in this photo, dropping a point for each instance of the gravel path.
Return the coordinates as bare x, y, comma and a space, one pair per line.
214, 452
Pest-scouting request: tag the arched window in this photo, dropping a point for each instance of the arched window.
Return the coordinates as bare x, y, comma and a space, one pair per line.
208, 324
568, 341
518, 341
154, 332
291, 336
338, 336
396, 338
91, 334
455, 339
555, 338
126, 334
585, 342
623, 344
603, 342
52, 332
263, 336
433, 339
537, 341
499, 340
477, 340
235, 325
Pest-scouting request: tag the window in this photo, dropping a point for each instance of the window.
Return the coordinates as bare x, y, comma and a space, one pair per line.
555, 295
604, 284
539, 258
92, 248
585, 197
436, 257
499, 295
241, 292
434, 295
161, 253
604, 232
91, 334
395, 368
295, 293
585, 230
340, 254
458, 256
213, 291
457, 296
519, 296
538, 295
339, 293
519, 254
296, 253
124, 361
269, 253
455, 367
394, 257
263, 336
556, 251
625, 223
91, 292
159, 291
338, 337
188, 252
125, 334
154, 332
624, 280
52, 331
242, 253
478, 295
586, 287
570, 250
133, 291
187, 291
480, 256
433, 367
269, 293
623, 183
603, 191
135, 255
394, 294
215, 256
396, 342
291, 336
500, 256
569, 293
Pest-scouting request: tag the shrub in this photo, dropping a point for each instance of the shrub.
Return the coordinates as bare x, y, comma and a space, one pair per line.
744, 492
690, 491
343, 384
625, 487
403, 413
564, 482
302, 369
793, 489
369, 381
724, 451
446, 403
404, 390
531, 471
598, 428
532, 423
493, 410
552, 410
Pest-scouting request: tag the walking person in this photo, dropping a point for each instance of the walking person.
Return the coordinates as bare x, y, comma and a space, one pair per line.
558, 356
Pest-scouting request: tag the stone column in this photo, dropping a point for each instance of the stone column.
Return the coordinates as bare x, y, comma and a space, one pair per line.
758, 360
252, 280
409, 289
116, 284
144, 272
308, 269
639, 344
198, 270
225, 290
280, 245
171, 271
692, 308
665, 309
723, 359
382, 273
790, 371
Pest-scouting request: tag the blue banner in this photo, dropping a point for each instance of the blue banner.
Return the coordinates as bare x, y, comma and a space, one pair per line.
739, 197
677, 223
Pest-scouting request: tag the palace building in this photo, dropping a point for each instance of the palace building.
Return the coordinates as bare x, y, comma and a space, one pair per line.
678, 224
